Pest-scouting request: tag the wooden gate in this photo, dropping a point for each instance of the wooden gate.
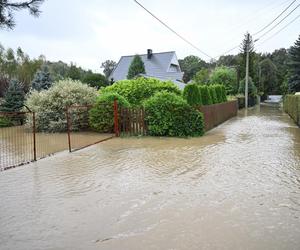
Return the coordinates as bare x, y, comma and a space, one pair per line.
132, 121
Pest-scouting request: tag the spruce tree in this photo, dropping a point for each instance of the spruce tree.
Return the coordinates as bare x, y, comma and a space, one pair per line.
136, 67
42, 79
243, 57
294, 67
14, 97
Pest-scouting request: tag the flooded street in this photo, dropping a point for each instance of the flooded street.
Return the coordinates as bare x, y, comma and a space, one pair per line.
237, 187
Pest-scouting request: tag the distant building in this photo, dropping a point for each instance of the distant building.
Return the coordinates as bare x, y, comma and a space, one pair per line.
163, 66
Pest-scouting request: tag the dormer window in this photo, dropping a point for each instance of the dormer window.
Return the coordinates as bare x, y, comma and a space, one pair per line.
174, 68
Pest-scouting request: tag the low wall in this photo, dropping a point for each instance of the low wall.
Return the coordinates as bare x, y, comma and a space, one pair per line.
291, 105
218, 113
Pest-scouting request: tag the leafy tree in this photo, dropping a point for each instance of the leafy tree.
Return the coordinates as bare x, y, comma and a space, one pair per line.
268, 78
280, 59
192, 95
226, 76
190, 65
136, 67
294, 67
95, 80
42, 79
202, 76
74, 72
7, 9
108, 67
14, 97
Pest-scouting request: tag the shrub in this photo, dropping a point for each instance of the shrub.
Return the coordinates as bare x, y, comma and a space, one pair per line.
213, 94
252, 90
169, 115
205, 95
224, 96
225, 76
102, 114
50, 104
192, 95
140, 89
218, 90
291, 105
5, 122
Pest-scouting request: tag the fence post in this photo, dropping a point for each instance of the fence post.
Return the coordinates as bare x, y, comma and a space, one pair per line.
68, 129
116, 119
34, 135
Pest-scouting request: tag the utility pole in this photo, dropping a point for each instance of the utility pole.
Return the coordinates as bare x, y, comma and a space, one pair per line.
247, 71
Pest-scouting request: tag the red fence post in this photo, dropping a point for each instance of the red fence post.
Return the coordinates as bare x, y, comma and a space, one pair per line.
34, 135
68, 129
116, 119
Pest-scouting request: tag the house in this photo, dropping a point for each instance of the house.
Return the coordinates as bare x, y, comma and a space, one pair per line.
163, 66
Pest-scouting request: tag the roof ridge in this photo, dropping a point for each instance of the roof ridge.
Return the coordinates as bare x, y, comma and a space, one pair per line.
152, 53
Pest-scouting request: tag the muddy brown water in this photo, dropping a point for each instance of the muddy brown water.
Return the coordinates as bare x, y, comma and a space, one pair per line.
238, 187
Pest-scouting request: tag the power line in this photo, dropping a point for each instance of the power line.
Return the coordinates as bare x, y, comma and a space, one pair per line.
279, 30
172, 30
268, 31
275, 18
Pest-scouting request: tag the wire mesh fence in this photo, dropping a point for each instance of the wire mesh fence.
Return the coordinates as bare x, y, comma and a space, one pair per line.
17, 141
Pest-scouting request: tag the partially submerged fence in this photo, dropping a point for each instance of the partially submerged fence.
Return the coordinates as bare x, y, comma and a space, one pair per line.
132, 121
217, 113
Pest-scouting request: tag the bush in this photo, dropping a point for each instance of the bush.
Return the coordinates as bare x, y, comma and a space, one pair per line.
192, 95
291, 105
205, 95
225, 76
102, 114
140, 89
169, 115
5, 122
252, 90
213, 94
50, 105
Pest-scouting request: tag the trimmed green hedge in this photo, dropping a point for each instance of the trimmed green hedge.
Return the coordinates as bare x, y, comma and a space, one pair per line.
101, 116
138, 90
291, 105
213, 94
169, 115
192, 95
205, 95
5, 122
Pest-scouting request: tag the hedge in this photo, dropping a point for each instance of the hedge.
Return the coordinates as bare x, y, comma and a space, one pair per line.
205, 95
170, 115
192, 95
213, 94
101, 116
5, 122
291, 105
138, 90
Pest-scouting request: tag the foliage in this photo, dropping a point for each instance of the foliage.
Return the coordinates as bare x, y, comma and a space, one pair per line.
213, 94
202, 76
252, 90
242, 59
190, 65
168, 114
7, 8
95, 80
50, 105
226, 76
14, 97
5, 122
205, 95
42, 79
4, 82
108, 67
291, 105
139, 89
102, 114
136, 67
294, 68
268, 79
192, 95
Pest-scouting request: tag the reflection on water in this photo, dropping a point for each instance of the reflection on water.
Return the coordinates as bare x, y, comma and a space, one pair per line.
238, 187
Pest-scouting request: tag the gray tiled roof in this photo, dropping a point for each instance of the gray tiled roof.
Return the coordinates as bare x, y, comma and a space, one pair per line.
156, 67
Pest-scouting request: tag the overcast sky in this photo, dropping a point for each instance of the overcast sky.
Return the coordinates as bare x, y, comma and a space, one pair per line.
92, 31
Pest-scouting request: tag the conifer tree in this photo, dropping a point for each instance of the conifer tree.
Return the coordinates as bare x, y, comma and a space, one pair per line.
42, 79
14, 97
136, 67
294, 67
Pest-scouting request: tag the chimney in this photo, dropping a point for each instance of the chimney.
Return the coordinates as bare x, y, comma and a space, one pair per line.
149, 54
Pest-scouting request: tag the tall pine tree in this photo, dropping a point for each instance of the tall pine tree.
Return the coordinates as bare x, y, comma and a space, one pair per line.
14, 97
42, 79
136, 67
243, 57
294, 67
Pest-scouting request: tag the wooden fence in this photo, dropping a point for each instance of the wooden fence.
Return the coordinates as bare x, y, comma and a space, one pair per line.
218, 113
132, 121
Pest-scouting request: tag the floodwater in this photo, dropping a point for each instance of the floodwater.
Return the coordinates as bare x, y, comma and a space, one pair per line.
238, 187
